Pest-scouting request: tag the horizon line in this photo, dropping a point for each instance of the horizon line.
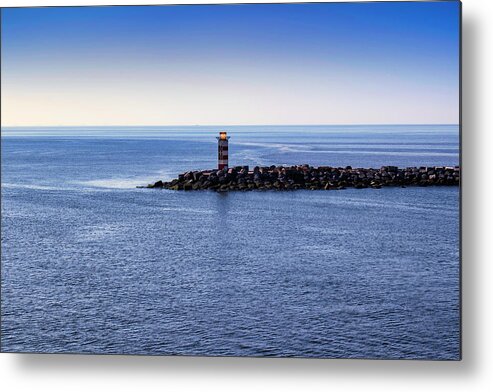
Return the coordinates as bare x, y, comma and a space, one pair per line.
216, 125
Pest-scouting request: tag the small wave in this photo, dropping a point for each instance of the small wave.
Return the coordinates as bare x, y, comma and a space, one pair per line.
116, 183
251, 156
361, 202
379, 150
390, 153
36, 187
98, 232
278, 146
126, 182
187, 210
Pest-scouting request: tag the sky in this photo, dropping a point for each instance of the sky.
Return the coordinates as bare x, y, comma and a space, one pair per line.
332, 63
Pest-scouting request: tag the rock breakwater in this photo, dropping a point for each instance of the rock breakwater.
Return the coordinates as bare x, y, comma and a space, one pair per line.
241, 178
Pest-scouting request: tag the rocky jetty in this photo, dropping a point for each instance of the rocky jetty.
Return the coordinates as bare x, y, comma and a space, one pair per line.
241, 178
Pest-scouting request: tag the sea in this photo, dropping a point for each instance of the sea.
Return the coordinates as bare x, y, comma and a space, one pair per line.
92, 264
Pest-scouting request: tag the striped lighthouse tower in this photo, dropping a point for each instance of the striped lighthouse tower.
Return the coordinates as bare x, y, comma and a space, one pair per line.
222, 150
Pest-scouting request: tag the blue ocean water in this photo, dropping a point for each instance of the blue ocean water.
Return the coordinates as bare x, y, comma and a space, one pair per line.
91, 264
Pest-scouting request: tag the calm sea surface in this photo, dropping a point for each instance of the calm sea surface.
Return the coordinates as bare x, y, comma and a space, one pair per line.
91, 264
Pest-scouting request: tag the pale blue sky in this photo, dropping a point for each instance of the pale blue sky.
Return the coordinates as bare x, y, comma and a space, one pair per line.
231, 64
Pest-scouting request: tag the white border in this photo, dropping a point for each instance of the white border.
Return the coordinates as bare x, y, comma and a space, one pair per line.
90, 373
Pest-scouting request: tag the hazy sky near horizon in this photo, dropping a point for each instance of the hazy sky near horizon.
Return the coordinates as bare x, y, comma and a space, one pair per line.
333, 63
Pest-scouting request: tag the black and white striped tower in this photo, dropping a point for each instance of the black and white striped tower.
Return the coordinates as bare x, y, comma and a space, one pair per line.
222, 150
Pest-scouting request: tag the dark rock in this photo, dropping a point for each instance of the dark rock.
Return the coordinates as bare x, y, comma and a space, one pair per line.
308, 177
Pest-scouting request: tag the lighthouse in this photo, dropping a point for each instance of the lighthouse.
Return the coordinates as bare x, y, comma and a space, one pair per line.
222, 150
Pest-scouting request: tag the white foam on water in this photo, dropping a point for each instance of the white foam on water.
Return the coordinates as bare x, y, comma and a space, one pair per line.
127, 182
117, 183
380, 150
278, 146
390, 153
